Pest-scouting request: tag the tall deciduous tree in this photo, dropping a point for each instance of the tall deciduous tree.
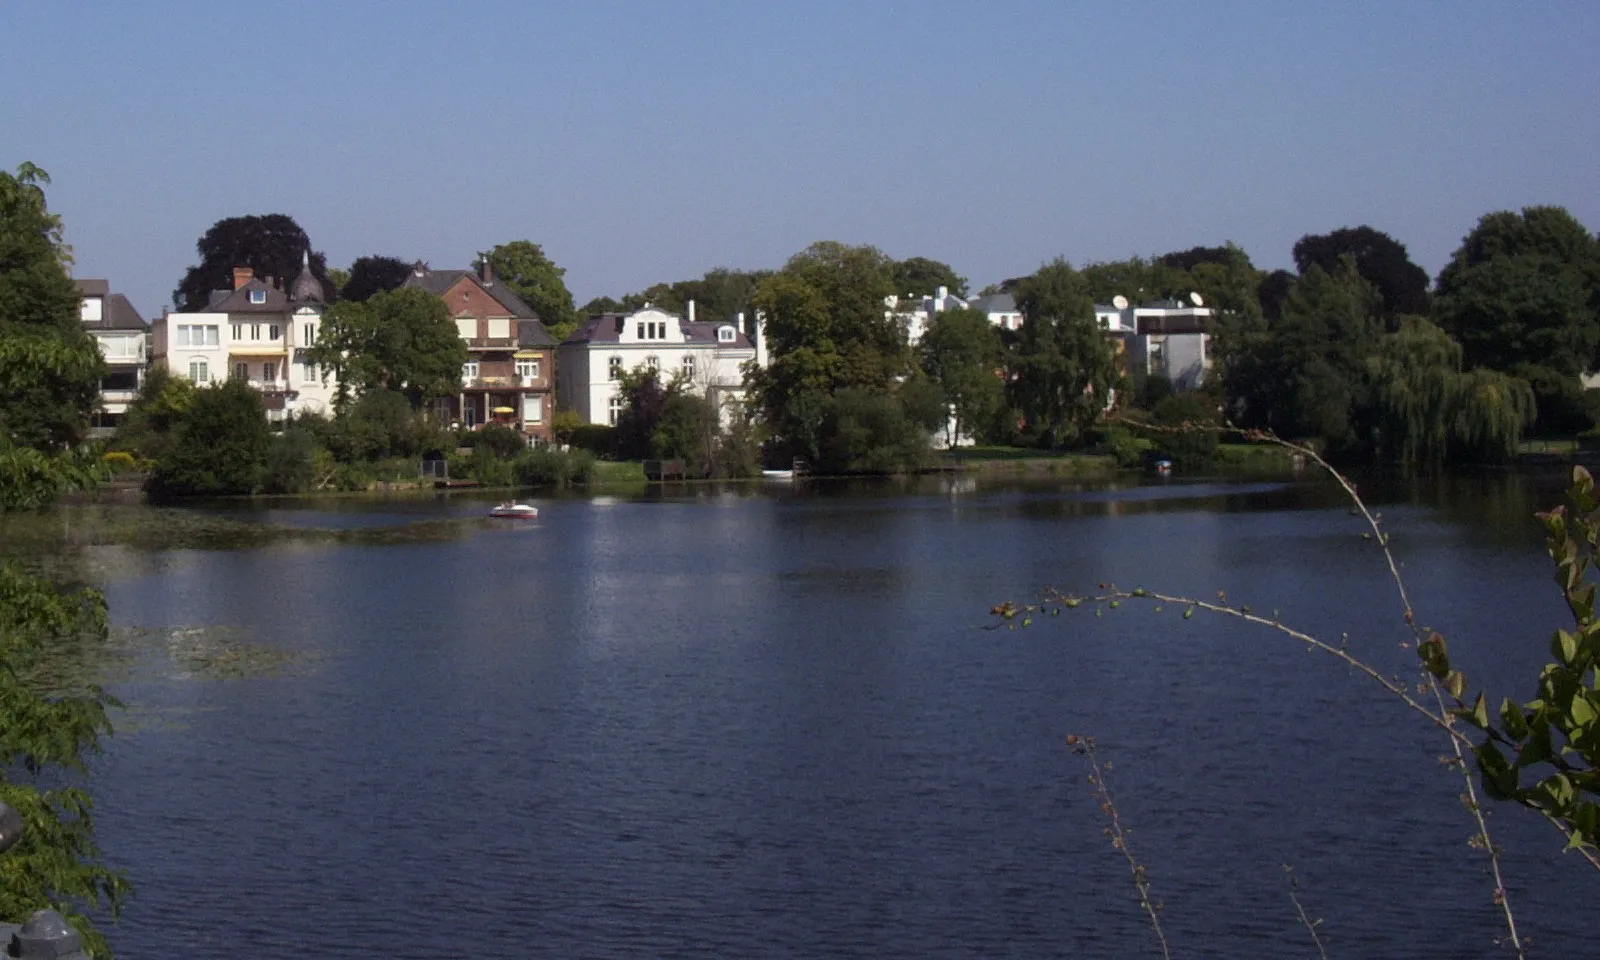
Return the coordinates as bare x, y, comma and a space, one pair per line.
372, 275
50, 367
962, 352
401, 340
1135, 278
523, 266
271, 245
920, 276
1380, 260
1065, 367
1307, 375
827, 329
1523, 290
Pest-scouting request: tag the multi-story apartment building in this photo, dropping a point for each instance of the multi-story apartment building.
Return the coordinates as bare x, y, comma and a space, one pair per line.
257, 332
510, 375
122, 334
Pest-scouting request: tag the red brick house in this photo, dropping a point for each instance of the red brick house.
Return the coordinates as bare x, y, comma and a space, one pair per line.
510, 375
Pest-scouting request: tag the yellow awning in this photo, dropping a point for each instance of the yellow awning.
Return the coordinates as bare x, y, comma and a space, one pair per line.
526, 355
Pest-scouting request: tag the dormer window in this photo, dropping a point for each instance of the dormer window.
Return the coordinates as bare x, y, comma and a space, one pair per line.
258, 296
725, 335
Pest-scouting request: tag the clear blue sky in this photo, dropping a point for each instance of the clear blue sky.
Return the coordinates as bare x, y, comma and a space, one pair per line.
648, 141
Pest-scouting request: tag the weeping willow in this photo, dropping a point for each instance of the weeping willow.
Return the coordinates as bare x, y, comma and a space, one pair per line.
1428, 409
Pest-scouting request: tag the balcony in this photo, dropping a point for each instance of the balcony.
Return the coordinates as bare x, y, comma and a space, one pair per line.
113, 395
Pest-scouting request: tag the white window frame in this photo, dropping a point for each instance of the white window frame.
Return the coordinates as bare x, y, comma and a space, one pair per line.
688, 365
199, 370
309, 332
614, 368
726, 335
469, 371
616, 409
258, 296
528, 369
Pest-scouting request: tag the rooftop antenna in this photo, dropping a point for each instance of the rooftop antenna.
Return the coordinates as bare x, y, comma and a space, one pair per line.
1120, 302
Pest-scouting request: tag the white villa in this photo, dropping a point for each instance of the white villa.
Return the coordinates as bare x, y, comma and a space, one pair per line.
121, 334
1162, 338
916, 313
256, 332
710, 355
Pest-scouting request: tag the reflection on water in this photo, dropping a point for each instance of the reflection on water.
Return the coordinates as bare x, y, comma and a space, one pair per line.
763, 720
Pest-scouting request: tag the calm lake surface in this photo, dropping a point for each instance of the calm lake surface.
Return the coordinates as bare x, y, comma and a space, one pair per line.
769, 722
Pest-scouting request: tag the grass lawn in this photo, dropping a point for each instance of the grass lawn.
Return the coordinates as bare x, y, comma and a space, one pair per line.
617, 471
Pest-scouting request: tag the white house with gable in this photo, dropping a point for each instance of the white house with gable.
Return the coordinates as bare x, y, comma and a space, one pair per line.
257, 332
709, 355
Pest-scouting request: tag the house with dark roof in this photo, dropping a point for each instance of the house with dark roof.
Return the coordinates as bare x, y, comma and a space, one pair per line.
1000, 308
122, 336
258, 332
709, 357
510, 375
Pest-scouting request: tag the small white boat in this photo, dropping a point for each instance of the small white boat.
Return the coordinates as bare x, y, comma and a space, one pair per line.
515, 511
777, 474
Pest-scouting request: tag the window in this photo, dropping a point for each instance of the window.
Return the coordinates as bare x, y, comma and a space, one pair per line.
274, 332
616, 409
269, 372
255, 331
258, 296
241, 371
726, 335
614, 368
198, 372
197, 335
309, 372
533, 409
653, 362
528, 369
238, 331
688, 365
308, 334
469, 371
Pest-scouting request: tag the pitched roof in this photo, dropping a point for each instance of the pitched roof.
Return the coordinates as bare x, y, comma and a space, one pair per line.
607, 328
531, 333
439, 282
995, 303
116, 313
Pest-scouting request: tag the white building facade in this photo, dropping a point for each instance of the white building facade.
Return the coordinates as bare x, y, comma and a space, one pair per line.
258, 333
708, 355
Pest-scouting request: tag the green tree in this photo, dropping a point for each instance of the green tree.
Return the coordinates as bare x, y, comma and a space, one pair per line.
869, 431
1522, 296
962, 352
1135, 278
1064, 367
50, 368
1190, 438
523, 266
1380, 260
827, 329
48, 729
921, 277
220, 448
373, 275
644, 399
1308, 375
272, 245
400, 340
687, 430
148, 428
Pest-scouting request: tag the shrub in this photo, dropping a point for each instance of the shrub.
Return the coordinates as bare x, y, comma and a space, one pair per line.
548, 467
291, 462
597, 438
1192, 440
500, 440
220, 446
120, 461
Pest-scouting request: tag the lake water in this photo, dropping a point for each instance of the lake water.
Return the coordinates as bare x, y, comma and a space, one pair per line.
770, 722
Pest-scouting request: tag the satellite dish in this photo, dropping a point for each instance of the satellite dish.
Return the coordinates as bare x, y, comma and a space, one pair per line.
1120, 302
1197, 300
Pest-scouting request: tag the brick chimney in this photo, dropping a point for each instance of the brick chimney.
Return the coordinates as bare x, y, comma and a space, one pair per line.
242, 276
486, 272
